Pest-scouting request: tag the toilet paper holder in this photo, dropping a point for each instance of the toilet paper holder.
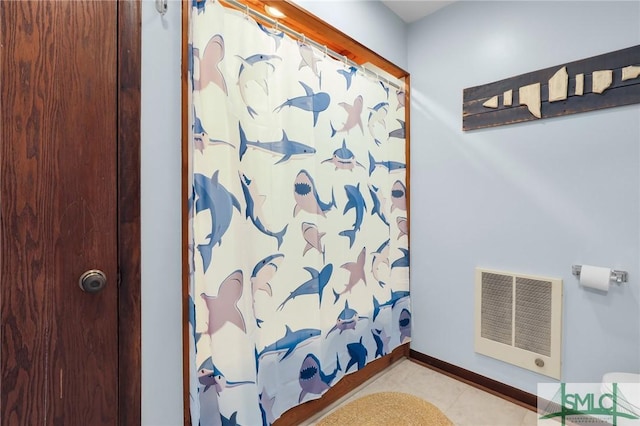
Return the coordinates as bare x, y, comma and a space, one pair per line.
616, 276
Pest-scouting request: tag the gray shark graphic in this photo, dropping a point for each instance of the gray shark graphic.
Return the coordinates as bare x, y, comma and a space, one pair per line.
313, 238
312, 379
209, 375
307, 198
255, 68
380, 256
404, 324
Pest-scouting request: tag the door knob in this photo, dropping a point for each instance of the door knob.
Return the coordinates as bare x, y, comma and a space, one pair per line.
93, 281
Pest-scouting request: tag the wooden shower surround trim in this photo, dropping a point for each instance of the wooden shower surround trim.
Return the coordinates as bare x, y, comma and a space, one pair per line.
314, 28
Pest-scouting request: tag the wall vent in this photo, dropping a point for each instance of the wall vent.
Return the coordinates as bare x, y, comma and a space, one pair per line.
519, 320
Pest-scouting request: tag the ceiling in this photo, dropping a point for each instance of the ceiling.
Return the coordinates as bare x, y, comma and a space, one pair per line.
411, 11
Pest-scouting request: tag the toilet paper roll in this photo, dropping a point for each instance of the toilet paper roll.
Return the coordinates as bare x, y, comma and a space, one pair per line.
595, 277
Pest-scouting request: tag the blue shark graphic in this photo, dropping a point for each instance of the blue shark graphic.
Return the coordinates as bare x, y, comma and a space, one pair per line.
285, 147
266, 407
391, 166
192, 322
402, 262
231, 421
254, 209
315, 285
209, 375
200, 136
190, 61
377, 115
385, 88
404, 325
257, 280
378, 202
380, 256
290, 341
348, 75
355, 201
277, 36
382, 342
255, 68
307, 198
398, 133
400, 96
314, 102
199, 5
312, 379
395, 298
214, 197
260, 276
347, 319
343, 158
357, 354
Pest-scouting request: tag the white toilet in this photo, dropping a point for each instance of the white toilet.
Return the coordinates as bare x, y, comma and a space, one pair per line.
628, 394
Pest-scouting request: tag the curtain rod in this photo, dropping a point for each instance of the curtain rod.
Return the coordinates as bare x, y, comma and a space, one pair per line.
299, 36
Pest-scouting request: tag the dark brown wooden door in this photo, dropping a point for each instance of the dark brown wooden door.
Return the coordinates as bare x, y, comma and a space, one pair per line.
58, 200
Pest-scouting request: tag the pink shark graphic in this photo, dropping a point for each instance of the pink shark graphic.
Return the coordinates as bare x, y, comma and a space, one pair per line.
209, 65
354, 116
356, 274
223, 308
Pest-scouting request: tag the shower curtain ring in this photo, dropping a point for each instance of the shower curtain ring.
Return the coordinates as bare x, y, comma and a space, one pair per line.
325, 51
304, 39
246, 11
276, 26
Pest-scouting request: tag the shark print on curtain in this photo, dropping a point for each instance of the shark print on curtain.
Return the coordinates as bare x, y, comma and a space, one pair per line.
298, 220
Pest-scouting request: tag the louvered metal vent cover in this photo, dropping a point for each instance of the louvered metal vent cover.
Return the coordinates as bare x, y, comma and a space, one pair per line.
497, 307
533, 315
518, 320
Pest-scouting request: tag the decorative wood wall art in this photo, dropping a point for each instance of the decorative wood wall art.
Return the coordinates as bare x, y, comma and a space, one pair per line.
603, 81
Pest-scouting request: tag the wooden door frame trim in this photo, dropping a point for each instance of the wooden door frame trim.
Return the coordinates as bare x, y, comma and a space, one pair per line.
129, 45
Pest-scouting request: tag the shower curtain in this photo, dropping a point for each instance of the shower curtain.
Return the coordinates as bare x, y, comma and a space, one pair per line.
299, 262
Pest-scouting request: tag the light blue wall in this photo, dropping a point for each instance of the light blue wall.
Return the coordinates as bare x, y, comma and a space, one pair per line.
369, 22
161, 224
534, 197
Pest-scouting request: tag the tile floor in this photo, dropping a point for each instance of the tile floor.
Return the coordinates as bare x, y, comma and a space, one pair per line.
463, 404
